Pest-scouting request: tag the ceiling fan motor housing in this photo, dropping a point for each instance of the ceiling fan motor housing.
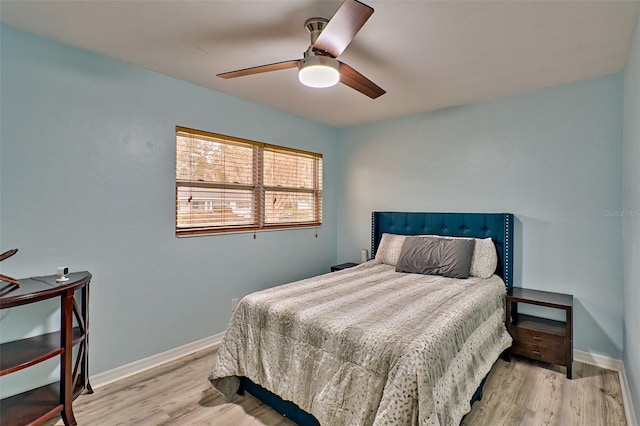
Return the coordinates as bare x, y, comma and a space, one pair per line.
315, 27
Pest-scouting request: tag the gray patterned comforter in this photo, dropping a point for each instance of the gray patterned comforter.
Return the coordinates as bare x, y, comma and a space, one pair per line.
368, 345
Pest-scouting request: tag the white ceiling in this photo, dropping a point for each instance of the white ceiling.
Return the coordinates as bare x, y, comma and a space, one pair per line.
426, 54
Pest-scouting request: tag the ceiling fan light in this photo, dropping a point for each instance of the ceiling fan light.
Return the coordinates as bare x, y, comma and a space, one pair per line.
319, 72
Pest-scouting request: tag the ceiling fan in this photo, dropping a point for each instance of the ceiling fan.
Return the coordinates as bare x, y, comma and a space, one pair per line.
329, 38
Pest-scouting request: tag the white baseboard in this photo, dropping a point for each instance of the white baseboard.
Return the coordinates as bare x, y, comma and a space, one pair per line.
612, 364
597, 360
626, 397
119, 373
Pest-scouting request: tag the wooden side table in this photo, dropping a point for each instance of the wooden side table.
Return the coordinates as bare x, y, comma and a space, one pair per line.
540, 338
342, 266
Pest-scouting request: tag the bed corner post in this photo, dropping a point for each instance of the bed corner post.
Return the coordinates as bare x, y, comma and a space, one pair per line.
508, 250
373, 233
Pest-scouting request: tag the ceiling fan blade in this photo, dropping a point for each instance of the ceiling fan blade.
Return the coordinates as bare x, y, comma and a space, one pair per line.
261, 68
352, 78
8, 254
342, 28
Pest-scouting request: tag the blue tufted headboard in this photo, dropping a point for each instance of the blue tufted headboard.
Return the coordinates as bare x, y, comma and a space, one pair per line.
498, 226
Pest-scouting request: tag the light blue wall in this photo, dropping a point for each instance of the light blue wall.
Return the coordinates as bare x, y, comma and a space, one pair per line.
88, 181
552, 157
631, 219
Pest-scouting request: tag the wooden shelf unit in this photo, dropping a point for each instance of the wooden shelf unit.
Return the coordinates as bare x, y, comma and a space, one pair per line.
38, 405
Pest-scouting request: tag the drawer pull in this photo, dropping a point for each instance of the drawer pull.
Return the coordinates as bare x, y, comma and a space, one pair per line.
537, 353
537, 338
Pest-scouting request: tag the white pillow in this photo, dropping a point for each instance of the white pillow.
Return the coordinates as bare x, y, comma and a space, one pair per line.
485, 258
483, 263
389, 248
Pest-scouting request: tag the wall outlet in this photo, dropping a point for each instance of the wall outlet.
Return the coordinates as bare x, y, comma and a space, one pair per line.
234, 304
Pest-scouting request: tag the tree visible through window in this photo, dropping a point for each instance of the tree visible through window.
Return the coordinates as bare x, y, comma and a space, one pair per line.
226, 184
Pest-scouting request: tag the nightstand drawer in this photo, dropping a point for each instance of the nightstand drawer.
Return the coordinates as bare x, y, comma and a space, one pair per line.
539, 353
538, 338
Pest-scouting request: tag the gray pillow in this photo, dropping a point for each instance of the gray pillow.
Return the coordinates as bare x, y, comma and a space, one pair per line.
436, 256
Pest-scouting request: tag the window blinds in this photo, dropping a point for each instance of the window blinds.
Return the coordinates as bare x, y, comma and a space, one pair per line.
226, 184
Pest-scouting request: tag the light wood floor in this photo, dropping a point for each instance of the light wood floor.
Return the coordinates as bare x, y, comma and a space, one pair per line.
517, 393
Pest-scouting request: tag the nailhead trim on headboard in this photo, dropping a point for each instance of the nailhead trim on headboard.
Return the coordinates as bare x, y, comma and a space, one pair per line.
373, 237
508, 274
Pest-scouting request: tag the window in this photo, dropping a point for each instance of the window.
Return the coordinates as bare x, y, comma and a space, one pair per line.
227, 184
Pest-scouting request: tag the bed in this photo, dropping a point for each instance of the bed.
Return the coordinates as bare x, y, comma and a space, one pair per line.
370, 345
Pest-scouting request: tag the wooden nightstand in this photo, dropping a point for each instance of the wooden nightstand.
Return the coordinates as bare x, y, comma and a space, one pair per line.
540, 338
342, 266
